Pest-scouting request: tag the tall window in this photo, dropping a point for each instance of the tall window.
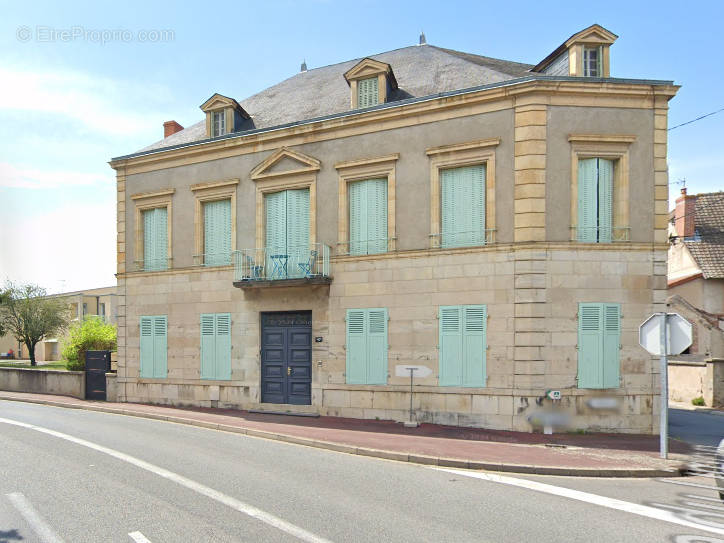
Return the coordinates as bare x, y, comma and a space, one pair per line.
217, 233
216, 346
368, 217
462, 345
153, 347
592, 62
367, 92
287, 233
155, 239
367, 346
599, 338
595, 200
218, 119
463, 206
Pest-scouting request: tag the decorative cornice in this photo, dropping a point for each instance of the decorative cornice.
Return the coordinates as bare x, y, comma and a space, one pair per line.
310, 164
477, 144
601, 138
214, 184
366, 161
142, 195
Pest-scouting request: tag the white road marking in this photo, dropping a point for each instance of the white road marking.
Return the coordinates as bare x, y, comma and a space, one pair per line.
138, 537
611, 503
245, 508
33, 518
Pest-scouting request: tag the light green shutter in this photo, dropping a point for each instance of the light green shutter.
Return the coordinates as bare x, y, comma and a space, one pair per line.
356, 346
474, 345
605, 199
376, 216
590, 345
611, 343
377, 346
160, 347
451, 346
146, 347
208, 346
463, 206
587, 200
297, 231
276, 226
155, 239
367, 92
223, 346
357, 218
217, 233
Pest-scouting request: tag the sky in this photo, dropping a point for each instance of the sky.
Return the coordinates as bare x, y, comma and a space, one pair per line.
82, 82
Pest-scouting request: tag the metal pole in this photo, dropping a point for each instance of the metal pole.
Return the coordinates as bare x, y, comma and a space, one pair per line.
412, 371
664, 416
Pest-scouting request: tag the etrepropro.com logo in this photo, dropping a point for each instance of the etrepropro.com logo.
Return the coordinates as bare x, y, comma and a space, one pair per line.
50, 34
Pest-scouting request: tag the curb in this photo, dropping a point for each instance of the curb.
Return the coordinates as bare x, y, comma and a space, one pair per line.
458, 463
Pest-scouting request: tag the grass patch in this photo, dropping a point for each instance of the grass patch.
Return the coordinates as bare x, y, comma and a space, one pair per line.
25, 364
698, 401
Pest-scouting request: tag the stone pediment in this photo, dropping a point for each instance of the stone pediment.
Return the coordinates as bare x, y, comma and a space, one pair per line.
219, 101
593, 34
285, 162
368, 67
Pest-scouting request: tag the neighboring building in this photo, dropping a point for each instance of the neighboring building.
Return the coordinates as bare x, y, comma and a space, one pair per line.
696, 289
501, 226
82, 303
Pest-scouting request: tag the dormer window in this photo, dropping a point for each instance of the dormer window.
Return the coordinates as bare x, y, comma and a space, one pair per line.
219, 123
224, 115
367, 92
371, 83
592, 61
585, 54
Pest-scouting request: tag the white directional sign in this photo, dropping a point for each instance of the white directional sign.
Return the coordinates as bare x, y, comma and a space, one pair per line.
403, 370
678, 334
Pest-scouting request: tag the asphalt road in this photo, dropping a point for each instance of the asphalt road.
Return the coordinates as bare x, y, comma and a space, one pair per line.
696, 427
85, 476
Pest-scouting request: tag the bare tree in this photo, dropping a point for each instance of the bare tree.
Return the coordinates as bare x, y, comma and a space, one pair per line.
29, 314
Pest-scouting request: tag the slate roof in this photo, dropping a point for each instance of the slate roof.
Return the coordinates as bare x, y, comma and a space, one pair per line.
420, 71
707, 246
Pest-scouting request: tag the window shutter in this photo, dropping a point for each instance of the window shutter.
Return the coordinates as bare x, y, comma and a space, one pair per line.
376, 216
149, 239
276, 226
208, 346
367, 92
297, 230
217, 233
451, 352
463, 206
377, 346
475, 320
611, 342
358, 218
587, 200
223, 346
356, 346
146, 370
605, 200
590, 345
160, 346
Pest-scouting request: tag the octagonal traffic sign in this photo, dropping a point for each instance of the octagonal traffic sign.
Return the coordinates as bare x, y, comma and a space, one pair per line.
678, 333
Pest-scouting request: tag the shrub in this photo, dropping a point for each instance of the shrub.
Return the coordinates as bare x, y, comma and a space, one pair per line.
91, 335
698, 401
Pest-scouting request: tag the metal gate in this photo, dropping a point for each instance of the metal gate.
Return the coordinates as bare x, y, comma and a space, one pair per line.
97, 363
286, 358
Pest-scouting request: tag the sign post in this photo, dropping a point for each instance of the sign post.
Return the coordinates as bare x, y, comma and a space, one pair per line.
664, 334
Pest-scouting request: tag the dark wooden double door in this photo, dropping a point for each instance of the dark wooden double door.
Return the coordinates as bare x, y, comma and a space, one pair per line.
286, 357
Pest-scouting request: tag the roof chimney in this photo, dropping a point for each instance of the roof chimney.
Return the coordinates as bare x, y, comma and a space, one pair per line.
304, 66
423, 41
171, 127
684, 215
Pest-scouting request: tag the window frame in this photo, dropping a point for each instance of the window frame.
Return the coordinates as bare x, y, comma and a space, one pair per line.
219, 115
599, 61
374, 78
458, 155
615, 147
211, 192
144, 202
362, 170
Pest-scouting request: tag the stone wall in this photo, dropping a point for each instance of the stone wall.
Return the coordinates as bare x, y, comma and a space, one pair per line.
689, 380
64, 383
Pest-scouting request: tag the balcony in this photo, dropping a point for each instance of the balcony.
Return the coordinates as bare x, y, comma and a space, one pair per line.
270, 267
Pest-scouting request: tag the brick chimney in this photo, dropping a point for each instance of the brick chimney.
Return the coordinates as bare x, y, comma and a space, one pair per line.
171, 127
684, 214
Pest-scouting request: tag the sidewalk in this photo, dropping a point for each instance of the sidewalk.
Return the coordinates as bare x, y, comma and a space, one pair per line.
591, 455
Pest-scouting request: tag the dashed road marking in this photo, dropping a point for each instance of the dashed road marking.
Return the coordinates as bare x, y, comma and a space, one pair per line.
138, 537
33, 518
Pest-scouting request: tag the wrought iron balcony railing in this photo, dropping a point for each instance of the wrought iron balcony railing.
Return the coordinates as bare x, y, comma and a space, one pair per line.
595, 234
473, 238
274, 264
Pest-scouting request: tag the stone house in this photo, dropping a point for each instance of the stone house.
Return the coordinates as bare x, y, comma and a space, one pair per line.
499, 227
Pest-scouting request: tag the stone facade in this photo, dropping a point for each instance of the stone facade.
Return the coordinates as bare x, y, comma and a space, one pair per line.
531, 278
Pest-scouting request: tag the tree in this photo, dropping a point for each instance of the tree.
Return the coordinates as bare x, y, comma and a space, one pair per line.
92, 335
29, 314
3, 298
